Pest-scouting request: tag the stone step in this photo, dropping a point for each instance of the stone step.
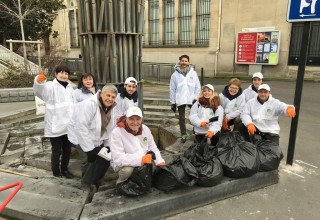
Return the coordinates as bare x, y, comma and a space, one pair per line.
17, 115
43, 198
152, 114
158, 108
156, 101
16, 122
157, 204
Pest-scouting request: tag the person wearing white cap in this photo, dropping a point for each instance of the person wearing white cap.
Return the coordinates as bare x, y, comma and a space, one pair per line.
206, 115
131, 143
184, 88
252, 91
232, 102
90, 127
260, 116
127, 96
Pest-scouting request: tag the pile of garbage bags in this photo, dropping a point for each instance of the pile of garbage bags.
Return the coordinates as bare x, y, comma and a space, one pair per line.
205, 165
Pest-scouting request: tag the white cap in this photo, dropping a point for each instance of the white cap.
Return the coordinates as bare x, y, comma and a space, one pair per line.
131, 80
264, 86
208, 86
133, 110
258, 75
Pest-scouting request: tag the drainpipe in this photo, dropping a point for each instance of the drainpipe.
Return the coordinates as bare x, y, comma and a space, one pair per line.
218, 43
65, 30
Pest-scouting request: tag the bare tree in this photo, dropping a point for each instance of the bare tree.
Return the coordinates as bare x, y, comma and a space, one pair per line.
19, 9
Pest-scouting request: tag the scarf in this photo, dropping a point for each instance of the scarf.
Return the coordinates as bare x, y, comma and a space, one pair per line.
64, 84
226, 93
123, 124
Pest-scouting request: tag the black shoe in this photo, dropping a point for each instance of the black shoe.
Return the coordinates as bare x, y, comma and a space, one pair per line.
57, 175
67, 174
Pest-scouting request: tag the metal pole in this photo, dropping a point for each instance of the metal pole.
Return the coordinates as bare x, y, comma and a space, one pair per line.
11, 53
298, 93
202, 73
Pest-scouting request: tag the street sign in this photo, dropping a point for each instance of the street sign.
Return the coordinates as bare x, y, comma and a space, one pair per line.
303, 10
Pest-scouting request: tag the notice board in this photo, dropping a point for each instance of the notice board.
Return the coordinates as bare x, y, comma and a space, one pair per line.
258, 48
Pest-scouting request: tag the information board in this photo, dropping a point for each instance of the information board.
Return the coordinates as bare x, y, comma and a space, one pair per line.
258, 48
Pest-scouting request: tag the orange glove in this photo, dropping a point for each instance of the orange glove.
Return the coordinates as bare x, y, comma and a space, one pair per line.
41, 77
146, 159
161, 164
204, 124
209, 134
251, 129
225, 126
291, 112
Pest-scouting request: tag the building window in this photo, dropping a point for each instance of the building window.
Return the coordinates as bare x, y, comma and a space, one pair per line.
74, 39
185, 22
313, 56
203, 22
71, 3
168, 20
153, 22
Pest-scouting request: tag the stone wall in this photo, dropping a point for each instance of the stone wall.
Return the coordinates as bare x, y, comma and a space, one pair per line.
16, 95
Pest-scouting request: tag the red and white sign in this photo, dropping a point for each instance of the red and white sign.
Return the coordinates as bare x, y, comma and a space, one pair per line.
246, 47
258, 47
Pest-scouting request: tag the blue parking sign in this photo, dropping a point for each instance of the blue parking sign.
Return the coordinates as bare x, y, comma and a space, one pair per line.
303, 10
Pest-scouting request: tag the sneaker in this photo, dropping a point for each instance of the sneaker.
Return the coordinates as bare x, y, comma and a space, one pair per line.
184, 138
67, 174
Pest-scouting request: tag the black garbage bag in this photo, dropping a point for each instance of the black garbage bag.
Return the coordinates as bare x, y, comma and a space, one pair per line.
203, 157
165, 180
181, 169
238, 157
138, 183
270, 155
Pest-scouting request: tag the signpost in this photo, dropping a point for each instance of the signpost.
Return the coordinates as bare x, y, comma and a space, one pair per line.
298, 11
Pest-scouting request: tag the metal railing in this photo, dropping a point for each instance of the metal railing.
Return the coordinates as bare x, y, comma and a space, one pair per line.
8, 58
12, 194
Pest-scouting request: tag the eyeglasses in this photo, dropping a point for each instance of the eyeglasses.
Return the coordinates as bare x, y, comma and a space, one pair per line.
233, 88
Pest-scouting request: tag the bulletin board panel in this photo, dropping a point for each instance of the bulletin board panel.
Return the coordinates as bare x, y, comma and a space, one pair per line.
258, 47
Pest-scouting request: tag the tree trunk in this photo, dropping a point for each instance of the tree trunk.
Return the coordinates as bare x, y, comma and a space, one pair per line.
46, 40
22, 33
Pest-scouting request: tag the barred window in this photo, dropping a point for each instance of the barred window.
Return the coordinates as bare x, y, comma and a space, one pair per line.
203, 22
74, 40
313, 56
168, 18
154, 22
185, 22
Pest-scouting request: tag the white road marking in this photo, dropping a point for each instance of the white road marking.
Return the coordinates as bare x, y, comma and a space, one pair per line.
290, 172
300, 161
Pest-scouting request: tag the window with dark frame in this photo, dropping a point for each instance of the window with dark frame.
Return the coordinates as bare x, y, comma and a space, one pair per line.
154, 22
74, 40
185, 22
313, 56
168, 22
203, 22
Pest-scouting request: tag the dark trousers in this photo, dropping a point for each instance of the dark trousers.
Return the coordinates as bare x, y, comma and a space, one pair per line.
182, 119
61, 146
214, 140
95, 171
264, 136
